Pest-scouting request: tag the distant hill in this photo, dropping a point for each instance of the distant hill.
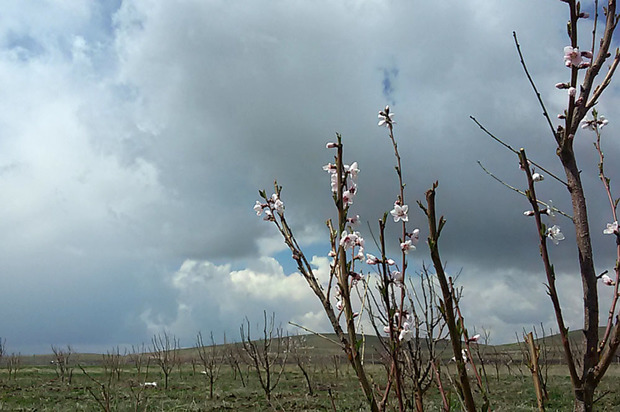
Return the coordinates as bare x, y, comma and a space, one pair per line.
324, 349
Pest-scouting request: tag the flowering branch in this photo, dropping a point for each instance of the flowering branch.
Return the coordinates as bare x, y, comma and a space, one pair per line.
273, 210
596, 124
551, 209
549, 271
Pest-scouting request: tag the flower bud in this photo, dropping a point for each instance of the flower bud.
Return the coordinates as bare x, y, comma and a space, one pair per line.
331, 145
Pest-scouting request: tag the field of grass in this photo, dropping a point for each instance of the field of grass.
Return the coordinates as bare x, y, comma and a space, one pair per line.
37, 387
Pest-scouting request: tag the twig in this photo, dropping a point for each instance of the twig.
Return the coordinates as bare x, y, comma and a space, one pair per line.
316, 333
527, 73
522, 192
507, 146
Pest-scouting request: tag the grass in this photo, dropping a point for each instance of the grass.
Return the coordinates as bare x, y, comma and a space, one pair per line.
36, 386
41, 390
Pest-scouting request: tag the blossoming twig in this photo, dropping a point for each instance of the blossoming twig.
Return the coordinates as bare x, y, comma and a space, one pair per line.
521, 192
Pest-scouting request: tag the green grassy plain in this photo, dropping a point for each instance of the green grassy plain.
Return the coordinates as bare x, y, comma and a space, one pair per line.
36, 386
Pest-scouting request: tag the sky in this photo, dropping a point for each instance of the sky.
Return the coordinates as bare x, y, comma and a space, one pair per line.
135, 135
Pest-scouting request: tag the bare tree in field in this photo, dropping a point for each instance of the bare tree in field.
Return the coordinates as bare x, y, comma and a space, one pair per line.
138, 357
232, 355
113, 362
421, 354
61, 361
13, 363
211, 359
302, 357
103, 393
165, 352
267, 360
2, 347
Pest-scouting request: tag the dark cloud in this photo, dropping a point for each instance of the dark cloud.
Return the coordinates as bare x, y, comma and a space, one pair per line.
135, 137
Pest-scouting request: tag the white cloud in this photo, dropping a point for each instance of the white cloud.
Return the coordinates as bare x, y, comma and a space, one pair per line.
215, 298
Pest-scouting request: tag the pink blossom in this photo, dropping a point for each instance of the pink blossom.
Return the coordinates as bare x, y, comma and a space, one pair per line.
474, 338
572, 56
258, 208
268, 215
555, 234
611, 228
400, 212
385, 117
607, 280
372, 259
415, 236
334, 182
354, 220
593, 124
279, 205
347, 197
353, 170
397, 276
405, 335
331, 145
572, 91
529, 213
355, 277
537, 177
350, 240
407, 246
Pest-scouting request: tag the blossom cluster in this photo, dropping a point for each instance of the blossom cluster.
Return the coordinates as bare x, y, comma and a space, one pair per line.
274, 204
574, 58
352, 240
554, 232
385, 117
405, 333
349, 178
594, 124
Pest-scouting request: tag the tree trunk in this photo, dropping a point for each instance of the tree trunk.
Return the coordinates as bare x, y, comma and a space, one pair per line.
584, 398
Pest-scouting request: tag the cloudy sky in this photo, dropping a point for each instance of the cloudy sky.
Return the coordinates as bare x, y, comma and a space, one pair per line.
134, 136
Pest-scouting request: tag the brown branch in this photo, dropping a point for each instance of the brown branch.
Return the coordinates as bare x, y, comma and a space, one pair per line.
527, 73
549, 271
507, 146
435, 227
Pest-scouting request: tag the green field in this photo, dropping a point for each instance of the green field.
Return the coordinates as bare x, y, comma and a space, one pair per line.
36, 385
